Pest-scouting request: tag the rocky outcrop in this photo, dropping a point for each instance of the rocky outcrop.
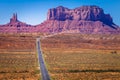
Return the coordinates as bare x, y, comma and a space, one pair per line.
16, 26
87, 13
85, 19
14, 19
73, 26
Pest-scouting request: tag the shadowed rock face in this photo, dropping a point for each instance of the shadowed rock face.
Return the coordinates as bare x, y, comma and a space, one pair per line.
87, 13
14, 19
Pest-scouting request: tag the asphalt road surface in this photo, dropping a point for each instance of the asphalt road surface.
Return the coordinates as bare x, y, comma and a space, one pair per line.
44, 72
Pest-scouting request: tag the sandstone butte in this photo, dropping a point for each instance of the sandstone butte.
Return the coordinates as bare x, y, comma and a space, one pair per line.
84, 19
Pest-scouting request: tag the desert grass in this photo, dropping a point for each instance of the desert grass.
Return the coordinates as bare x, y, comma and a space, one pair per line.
82, 57
18, 58
71, 65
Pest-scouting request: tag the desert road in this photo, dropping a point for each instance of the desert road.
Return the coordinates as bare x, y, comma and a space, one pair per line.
44, 72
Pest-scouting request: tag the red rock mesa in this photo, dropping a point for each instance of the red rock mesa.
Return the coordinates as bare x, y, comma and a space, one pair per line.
84, 19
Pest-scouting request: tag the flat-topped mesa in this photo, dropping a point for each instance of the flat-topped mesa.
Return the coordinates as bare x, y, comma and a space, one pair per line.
59, 13
14, 18
87, 13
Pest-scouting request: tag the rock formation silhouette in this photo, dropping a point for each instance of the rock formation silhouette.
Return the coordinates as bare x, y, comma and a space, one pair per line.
14, 18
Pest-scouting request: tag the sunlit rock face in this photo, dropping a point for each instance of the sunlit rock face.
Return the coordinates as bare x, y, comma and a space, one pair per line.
87, 13
85, 19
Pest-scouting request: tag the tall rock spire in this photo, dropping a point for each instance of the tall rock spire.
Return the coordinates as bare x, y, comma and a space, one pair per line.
14, 18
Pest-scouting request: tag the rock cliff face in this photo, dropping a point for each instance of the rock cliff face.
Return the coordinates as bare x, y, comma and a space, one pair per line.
87, 13
85, 19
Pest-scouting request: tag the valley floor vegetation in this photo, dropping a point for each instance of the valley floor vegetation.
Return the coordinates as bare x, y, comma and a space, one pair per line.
67, 57
18, 58
82, 57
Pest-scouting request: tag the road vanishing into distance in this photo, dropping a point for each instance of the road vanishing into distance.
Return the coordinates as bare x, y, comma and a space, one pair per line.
44, 72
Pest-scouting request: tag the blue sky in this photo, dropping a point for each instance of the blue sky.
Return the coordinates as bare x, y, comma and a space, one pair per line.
35, 11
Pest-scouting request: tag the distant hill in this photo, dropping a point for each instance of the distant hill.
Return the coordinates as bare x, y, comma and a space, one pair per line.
84, 19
